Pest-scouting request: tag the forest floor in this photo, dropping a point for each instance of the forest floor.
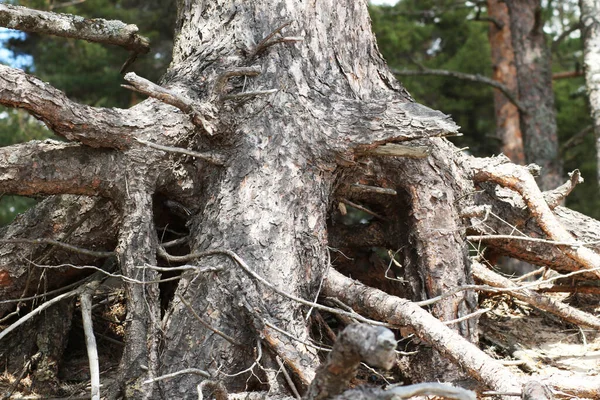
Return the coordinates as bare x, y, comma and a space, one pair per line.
531, 342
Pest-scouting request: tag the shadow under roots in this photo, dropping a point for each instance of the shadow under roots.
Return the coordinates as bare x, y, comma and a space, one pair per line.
170, 220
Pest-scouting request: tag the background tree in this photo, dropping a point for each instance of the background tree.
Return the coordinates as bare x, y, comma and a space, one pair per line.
450, 36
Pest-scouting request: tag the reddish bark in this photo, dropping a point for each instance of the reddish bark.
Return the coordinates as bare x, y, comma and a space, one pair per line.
508, 126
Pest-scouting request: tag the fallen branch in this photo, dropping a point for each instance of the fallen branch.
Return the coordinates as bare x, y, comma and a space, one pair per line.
90, 341
534, 299
406, 392
519, 179
403, 312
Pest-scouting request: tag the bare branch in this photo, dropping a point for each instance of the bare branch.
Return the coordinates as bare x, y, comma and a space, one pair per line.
266, 41
66, 246
373, 189
44, 306
213, 158
539, 301
439, 390
223, 78
200, 114
95, 127
403, 312
90, 342
194, 371
52, 167
398, 150
242, 264
363, 209
466, 77
65, 25
519, 179
555, 197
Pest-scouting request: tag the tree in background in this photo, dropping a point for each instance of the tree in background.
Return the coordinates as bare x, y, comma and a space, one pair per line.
450, 37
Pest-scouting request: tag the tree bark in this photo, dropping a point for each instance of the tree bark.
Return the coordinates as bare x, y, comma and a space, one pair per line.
292, 102
591, 51
534, 77
508, 126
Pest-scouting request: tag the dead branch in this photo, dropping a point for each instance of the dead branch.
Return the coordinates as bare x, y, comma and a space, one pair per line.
66, 246
571, 289
405, 392
466, 77
52, 167
536, 300
242, 264
212, 158
492, 289
65, 25
357, 187
194, 371
519, 179
268, 40
223, 78
92, 126
555, 197
200, 114
357, 342
90, 341
75, 292
403, 312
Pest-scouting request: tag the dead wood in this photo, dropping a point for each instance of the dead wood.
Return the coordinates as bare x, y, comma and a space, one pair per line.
66, 25
356, 343
403, 312
536, 300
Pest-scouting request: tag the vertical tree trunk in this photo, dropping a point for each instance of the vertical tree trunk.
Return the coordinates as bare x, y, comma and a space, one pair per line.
534, 76
590, 9
508, 127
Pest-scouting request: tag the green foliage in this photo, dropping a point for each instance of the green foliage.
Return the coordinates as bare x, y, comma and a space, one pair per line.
442, 34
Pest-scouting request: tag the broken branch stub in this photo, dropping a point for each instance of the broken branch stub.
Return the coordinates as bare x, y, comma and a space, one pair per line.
374, 345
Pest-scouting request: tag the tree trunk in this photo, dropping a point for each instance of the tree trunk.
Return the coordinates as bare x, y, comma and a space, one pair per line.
534, 77
268, 119
591, 50
508, 127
